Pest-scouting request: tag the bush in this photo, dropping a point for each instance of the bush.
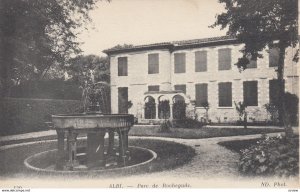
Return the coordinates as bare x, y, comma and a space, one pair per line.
47, 89
187, 123
27, 115
165, 126
271, 156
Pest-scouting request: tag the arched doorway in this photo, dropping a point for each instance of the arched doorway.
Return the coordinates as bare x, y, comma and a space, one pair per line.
179, 107
163, 107
150, 108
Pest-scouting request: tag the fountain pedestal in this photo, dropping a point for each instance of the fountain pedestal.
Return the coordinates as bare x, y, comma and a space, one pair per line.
95, 127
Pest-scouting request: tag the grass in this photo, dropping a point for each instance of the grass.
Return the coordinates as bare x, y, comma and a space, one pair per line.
169, 156
198, 133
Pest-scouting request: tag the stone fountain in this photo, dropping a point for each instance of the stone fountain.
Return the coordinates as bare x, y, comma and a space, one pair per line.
95, 126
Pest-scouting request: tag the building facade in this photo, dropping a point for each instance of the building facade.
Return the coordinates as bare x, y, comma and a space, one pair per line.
199, 72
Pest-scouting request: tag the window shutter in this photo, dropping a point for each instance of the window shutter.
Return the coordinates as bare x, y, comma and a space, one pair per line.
250, 93
153, 88
273, 91
153, 63
225, 94
224, 59
273, 57
180, 88
179, 62
122, 66
201, 94
200, 61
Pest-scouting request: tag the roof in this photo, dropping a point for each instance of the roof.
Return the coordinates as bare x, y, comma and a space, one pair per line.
175, 45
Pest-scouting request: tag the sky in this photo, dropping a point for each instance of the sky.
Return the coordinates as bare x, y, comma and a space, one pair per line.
149, 21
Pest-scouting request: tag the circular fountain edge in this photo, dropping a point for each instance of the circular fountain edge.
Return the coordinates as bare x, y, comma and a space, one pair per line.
29, 166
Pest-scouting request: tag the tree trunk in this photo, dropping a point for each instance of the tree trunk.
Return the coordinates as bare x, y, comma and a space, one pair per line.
283, 115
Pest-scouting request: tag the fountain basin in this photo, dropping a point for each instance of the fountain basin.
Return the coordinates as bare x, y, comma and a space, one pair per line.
95, 126
92, 121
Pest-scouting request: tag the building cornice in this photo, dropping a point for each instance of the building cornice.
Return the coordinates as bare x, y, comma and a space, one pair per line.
175, 45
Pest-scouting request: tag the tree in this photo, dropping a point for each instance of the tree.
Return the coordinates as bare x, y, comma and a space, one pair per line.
259, 24
36, 35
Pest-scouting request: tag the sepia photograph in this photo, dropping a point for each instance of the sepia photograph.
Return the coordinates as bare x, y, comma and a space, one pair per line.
149, 94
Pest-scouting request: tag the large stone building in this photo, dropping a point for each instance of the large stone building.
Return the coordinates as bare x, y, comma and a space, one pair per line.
196, 71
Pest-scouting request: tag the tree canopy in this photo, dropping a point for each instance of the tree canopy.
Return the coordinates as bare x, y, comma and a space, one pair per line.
257, 23
260, 24
38, 34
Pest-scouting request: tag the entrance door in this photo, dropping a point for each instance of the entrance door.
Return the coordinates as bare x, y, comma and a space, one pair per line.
123, 99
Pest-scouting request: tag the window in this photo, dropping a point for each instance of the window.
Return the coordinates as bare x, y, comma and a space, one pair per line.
250, 93
180, 88
200, 61
273, 57
224, 59
252, 63
201, 94
122, 66
274, 91
153, 88
153, 63
225, 94
179, 62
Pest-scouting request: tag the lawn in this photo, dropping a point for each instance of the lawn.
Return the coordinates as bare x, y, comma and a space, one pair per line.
198, 133
169, 156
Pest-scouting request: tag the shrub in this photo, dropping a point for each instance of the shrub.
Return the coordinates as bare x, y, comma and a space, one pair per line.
165, 126
179, 109
187, 123
271, 156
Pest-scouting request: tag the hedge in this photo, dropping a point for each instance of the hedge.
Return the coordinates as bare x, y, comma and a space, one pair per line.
28, 115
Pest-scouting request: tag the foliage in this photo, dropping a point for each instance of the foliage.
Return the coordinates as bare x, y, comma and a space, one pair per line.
165, 126
257, 24
37, 35
28, 115
179, 109
272, 111
271, 156
205, 105
47, 89
241, 109
187, 123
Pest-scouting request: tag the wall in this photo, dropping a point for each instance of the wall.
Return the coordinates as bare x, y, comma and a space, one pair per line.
138, 80
28, 115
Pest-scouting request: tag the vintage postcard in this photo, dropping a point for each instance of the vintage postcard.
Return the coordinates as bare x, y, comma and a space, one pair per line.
170, 94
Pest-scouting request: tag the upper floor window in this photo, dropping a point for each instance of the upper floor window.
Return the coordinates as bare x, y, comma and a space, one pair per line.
180, 88
153, 88
200, 61
179, 62
224, 56
273, 57
153, 63
250, 93
122, 66
201, 94
225, 94
252, 63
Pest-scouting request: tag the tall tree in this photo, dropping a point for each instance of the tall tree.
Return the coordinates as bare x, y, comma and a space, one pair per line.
258, 24
37, 34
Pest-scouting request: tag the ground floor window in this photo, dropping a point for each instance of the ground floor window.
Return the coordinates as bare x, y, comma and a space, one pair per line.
225, 94
250, 93
201, 94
